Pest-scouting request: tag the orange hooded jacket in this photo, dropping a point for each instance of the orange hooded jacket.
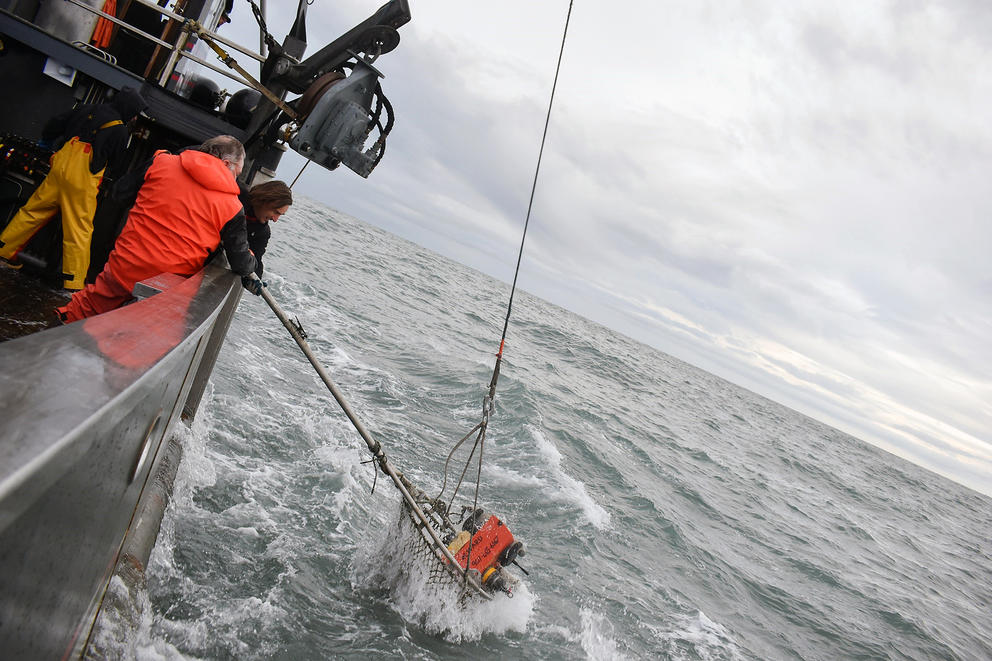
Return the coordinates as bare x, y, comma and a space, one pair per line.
176, 220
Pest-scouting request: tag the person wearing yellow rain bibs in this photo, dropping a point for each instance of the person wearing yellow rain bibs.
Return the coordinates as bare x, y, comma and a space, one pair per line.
87, 138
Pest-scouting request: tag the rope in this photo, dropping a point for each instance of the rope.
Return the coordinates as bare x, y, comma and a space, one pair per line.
489, 400
533, 189
300, 173
374, 446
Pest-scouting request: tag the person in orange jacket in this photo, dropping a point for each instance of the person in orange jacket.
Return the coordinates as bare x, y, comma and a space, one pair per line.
185, 206
87, 138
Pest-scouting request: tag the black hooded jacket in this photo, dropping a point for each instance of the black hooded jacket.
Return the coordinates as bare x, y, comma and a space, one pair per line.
84, 122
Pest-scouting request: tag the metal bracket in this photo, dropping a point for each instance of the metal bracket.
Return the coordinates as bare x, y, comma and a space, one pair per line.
299, 328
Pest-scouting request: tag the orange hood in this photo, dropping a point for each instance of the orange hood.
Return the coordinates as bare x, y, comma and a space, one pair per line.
202, 167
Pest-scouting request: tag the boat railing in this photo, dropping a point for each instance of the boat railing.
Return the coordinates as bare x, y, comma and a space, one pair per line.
90, 48
177, 50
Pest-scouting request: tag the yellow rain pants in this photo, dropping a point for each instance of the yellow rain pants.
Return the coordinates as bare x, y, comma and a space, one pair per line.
71, 188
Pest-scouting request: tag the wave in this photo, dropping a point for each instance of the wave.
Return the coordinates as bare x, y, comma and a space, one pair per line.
569, 489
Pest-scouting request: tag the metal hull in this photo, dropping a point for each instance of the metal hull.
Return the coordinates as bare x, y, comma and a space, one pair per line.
84, 412
86, 409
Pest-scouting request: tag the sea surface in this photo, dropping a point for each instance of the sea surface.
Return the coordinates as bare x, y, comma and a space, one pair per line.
667, 513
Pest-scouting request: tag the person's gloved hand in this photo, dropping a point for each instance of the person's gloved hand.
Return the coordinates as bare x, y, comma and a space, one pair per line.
254, 285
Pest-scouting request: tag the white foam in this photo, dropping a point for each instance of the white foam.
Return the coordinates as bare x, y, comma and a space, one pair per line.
597, 637
115, 635
144, 645
149, 648
196, 468
340, 464
390, 562
570, 489
160, 650
697, 637
510, 478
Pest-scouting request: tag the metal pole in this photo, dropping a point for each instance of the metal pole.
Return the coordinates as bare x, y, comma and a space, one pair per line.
261, 37
374, 447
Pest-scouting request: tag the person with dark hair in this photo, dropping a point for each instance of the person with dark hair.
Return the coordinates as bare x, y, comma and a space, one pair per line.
225, 16
185, 206
264, 203
87, 139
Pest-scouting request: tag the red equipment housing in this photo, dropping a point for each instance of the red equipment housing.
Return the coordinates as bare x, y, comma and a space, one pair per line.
487, 544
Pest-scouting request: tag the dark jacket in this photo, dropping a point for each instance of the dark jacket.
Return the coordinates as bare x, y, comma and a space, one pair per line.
258, 231
84, 122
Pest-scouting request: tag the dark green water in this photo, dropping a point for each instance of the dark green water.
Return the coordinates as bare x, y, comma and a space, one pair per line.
667, 513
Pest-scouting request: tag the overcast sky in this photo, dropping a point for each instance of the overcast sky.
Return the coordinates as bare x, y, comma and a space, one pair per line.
790, 194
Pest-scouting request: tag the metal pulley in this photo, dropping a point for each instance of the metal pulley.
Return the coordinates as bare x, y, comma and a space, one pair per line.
340, 119
378, 40
309, 98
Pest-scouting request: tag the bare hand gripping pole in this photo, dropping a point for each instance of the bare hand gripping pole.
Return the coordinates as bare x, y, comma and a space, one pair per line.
296, 330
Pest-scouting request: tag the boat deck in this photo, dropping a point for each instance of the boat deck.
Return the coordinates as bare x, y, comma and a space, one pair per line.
26, 303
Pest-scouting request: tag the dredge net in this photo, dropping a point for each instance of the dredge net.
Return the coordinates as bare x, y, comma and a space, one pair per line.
424, 592
424, 535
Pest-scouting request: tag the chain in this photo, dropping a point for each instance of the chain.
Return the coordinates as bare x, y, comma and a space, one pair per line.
269, 39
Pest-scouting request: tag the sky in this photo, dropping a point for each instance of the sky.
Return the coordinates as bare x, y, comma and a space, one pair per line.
792, 195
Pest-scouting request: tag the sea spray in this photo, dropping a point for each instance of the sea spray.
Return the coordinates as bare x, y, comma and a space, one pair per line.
395, 563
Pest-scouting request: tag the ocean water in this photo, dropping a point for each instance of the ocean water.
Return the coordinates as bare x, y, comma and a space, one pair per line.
668, 514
